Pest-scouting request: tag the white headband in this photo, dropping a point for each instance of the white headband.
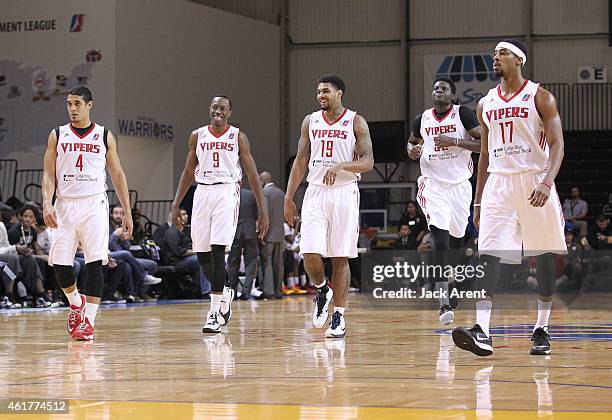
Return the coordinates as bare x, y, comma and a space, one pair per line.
511, 47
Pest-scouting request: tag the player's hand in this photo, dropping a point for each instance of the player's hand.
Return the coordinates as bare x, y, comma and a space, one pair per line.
414, 151
263, 224
476, 217
330, 175
128, 225
49, 215
177, 218
290, 212
445, 141
23, 250
539, 196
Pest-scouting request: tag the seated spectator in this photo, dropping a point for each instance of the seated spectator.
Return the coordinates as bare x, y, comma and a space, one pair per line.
9, 217
138, 233
575, 212
142, 269
600, 234
9, 268
571, 278
415, 220
406, 241
367, 238
177, 247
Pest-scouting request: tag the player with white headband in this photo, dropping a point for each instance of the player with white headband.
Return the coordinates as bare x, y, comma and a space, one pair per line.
516, 207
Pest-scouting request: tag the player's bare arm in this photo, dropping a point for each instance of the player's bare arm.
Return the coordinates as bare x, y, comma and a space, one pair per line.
187, 178
414, 147
48, 182
472, 144
297, 172
363, 148
249, 166
547, 108
120, 183
483, 165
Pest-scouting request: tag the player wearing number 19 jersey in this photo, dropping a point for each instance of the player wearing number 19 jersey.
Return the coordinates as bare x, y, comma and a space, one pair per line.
516, 206
215, 154
75, 164
335, 146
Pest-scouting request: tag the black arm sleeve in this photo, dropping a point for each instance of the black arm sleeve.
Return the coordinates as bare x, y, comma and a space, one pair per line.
468, 117
416, 127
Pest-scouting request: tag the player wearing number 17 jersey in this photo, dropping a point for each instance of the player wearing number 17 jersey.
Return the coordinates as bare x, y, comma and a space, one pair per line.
215, 154
336, 147
516, 205
75, 164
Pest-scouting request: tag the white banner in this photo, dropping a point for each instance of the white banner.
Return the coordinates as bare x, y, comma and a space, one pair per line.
471, 73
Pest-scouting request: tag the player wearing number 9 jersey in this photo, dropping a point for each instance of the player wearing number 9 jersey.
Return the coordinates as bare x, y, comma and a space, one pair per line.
335, 146
216, 152
75, 164
516, 206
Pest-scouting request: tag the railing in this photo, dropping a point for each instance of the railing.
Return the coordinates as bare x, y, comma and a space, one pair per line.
8, 168
155, 210
583, 106
114, 199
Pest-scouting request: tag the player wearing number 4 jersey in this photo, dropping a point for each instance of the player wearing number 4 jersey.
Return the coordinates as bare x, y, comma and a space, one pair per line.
516, 205
336, 147
215, 154
444, 137
75, 164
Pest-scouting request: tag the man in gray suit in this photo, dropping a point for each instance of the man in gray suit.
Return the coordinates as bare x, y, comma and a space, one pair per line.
272, 251
245, 241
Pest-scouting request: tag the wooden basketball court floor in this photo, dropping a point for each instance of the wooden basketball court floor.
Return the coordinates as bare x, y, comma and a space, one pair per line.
153, 362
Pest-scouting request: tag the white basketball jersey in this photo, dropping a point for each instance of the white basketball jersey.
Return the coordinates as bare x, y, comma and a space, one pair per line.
218, 159
452, 164
331, 142
517, 140
80, 168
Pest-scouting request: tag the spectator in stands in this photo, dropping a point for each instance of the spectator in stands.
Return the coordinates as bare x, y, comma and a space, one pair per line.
138, 234
177, 248
292, 284
9, 258
571, 279
9, 217
367, 238
415, 220
272, 250
405, 241
142, 269
245, 243
575, 212
600, 234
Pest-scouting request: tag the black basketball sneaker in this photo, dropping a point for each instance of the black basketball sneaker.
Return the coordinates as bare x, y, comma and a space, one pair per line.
474, 340
541, 342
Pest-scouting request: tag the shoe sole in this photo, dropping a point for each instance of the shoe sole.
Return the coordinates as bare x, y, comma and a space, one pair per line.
447, 318
535, 352
210, 330
228, 315
336, 335
464, 340
325, 311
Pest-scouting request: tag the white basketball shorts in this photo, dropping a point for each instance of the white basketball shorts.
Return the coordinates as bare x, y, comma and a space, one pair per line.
509, 224
215, 215
83, 220
446, 206
330, 221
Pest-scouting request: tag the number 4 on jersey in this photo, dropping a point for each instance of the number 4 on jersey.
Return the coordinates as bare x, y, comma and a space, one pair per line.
79, 163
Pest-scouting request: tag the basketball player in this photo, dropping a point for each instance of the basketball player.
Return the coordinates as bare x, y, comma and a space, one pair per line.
335, 146
516, 206
215, 154
443, 138
76, 160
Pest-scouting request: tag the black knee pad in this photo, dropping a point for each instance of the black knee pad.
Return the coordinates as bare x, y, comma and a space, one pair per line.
64, 274
95, 278
545, 274
218, 268
491, 269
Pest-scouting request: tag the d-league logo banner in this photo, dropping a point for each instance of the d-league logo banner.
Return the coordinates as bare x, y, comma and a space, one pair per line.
471, 73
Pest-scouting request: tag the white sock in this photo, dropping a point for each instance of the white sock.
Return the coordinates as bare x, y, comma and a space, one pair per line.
74, 297
303, 280
296, 281
442, 287
215, 302
290, 282
318, 286
339, 309
543, 314
483, 315
91, 310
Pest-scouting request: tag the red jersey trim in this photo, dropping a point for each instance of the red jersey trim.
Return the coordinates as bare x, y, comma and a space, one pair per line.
433, 112
219, 135
515, 93
337, 119
88, 132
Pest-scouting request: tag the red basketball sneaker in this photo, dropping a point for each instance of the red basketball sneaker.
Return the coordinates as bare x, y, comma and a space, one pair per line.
84, 331
75, 315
